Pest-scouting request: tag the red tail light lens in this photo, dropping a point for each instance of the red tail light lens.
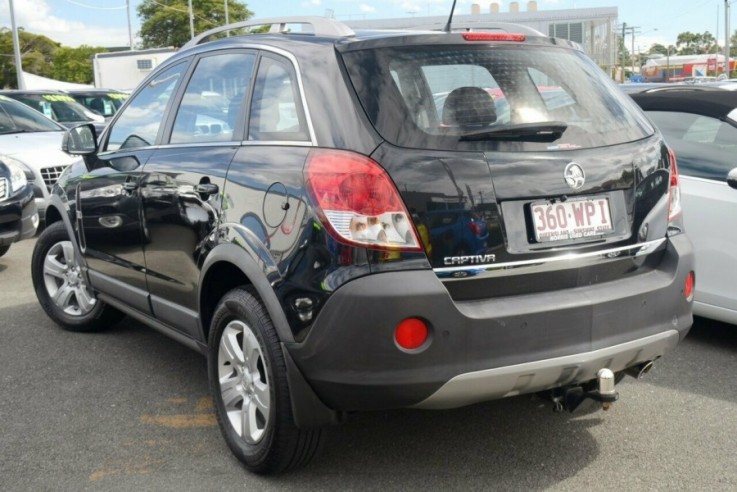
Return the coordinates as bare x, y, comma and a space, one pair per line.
411, 333
674, 190
688, 286
493, 36
358, 202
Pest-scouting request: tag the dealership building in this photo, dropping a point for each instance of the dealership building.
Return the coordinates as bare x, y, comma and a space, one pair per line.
595, 29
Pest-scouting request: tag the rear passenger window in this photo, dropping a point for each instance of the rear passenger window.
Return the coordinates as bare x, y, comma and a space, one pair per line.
276, 109
210, 107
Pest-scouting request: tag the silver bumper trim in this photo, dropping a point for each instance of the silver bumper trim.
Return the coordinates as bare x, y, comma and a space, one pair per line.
500, 382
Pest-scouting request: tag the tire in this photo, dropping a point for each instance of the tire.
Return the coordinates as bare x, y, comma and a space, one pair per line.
60, 287
4, 249
250, 388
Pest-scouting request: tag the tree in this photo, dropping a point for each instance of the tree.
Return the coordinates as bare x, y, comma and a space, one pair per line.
37, 55
689, 43
75, 64
166, 22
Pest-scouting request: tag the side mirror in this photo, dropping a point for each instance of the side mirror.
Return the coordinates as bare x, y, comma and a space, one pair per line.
732, 178
80, 140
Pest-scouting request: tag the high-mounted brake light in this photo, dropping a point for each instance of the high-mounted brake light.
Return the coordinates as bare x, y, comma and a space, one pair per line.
674, 189
358, 202
493, 36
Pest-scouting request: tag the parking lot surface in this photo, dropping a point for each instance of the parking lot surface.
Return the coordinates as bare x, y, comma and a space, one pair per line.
129, 409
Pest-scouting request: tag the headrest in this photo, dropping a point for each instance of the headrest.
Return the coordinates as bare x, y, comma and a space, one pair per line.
469, 106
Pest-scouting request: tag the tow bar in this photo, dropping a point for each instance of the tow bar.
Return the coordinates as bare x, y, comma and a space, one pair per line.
570, 398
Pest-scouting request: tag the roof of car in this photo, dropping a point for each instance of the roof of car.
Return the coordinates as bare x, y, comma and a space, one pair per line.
714, 103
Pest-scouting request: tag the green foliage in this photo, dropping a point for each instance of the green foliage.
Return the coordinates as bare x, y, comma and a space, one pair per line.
75, 64
37, 55
165, 23
689, 43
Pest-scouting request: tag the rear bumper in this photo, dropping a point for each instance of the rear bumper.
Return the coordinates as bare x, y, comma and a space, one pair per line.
490, 348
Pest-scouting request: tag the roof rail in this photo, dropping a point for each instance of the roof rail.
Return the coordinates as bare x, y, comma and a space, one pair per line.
321, 26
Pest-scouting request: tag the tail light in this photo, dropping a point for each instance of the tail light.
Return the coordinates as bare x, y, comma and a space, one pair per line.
493, 36
357, 201
674, 190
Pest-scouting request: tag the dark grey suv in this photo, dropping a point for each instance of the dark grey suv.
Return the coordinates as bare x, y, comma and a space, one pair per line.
265, 199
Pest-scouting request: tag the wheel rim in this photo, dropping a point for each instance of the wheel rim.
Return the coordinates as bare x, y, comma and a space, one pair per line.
64, 282
244, 385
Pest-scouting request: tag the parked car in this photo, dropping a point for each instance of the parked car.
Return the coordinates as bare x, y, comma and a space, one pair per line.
58, 106
18, 215
105, 102
701, 127
286, 247
33, 141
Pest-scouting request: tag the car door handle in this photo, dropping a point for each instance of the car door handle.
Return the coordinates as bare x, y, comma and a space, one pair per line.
207, 189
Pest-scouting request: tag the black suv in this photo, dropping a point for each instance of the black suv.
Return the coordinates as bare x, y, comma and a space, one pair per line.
285, 234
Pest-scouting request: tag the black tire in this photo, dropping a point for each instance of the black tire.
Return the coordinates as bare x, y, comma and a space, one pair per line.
61, 290
4, 249
271, 443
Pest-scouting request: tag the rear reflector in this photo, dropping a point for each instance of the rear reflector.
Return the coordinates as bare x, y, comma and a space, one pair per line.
688, 286
358, 202
493, 36
411, 333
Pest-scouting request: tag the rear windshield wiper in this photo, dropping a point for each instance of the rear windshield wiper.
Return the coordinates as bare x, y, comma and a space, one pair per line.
547, 131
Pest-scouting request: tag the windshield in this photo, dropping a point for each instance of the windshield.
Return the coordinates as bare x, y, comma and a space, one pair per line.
492, 97
58, 107
16, 117
105, 104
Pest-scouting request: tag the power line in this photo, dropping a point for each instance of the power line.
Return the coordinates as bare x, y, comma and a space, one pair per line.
94, 7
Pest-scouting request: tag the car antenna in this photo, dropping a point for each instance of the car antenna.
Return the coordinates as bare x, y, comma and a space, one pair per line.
450, 17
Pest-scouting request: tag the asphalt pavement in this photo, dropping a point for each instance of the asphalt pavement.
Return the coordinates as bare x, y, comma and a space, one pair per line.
129, 409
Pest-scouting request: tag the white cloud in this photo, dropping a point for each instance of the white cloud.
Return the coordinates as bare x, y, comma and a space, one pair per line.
312, 3
35, 16
366, 9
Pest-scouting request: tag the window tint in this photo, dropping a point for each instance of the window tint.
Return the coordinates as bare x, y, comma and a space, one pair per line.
140, 121
705, 147
276, 110
210, 108
58, 107
427, 97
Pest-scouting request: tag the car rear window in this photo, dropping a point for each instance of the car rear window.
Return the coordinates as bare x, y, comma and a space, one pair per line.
431, 96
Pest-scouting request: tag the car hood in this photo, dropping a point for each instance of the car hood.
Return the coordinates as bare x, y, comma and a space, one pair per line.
37, 150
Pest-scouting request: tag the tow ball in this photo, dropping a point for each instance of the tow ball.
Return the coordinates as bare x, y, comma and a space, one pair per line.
570, 398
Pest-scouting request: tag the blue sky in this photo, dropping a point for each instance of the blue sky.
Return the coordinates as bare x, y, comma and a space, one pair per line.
104, 22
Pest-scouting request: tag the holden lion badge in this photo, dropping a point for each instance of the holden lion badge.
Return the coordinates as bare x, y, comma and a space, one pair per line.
574, 175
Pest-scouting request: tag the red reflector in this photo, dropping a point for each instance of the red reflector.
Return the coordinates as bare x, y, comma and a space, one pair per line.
688, 286
411, 333
493, 36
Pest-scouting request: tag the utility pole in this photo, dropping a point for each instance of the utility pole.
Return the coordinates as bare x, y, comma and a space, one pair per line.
16, 49
130, 32
191, 20
726, 38
624, 30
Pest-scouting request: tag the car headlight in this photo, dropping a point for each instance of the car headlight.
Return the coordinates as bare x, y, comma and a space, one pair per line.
18, 172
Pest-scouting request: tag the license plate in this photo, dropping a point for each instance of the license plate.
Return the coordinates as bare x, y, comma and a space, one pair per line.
572, 219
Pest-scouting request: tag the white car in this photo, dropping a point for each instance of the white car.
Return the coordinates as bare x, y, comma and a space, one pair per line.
701, 127
33, 141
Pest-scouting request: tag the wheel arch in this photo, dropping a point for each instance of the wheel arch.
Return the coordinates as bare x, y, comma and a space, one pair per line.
229, 266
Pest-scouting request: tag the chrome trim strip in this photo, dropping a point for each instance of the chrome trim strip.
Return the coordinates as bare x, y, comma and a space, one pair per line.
635, 250
500, 382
